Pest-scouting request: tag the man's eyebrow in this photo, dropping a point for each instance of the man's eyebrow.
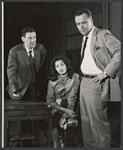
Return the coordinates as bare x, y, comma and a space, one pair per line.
81, 22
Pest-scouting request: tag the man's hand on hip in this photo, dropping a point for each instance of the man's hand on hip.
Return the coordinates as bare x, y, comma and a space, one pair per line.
100, 78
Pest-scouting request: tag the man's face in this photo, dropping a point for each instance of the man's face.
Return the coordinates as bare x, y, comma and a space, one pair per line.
29, 39
84, 24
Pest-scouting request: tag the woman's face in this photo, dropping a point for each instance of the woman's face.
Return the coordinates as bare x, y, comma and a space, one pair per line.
60, 67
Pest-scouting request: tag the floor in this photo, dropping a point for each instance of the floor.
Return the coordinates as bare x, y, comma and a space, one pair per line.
115, 142
114, 117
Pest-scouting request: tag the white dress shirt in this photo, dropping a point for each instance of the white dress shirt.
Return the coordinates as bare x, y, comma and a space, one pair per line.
29, 50
88, 65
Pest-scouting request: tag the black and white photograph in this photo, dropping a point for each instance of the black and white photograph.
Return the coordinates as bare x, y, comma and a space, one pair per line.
61, 74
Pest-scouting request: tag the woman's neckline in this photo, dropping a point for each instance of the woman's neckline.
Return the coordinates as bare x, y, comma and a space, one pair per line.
63, 76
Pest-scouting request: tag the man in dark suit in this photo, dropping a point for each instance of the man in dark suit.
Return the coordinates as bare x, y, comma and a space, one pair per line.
100, 71
24, 62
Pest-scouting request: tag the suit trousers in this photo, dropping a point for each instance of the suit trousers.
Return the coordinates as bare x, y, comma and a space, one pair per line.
95, 125
30, 93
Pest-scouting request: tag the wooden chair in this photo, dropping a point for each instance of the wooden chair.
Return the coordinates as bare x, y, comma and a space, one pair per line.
73, 127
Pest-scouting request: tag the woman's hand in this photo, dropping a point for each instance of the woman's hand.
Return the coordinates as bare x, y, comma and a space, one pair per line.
70, 113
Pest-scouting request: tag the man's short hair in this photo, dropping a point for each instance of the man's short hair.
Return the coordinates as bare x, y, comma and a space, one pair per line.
27, 29
83, 11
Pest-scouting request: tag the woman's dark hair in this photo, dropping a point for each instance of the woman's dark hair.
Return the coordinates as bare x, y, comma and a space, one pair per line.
83, 11
67, 63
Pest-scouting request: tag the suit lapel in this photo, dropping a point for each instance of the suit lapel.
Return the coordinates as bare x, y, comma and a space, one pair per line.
24, 55
93, 41
37, 58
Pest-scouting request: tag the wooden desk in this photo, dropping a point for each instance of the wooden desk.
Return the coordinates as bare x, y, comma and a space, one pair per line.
18, 110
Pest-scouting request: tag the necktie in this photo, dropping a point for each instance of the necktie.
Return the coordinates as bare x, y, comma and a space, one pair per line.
83, 55
32, 66
84, 49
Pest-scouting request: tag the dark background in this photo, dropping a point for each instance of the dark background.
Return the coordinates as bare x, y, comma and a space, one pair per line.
50, 19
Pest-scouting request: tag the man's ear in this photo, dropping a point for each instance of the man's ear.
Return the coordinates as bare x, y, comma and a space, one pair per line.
23, 39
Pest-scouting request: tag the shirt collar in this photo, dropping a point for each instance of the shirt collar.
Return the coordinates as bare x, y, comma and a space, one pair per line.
90, 33
28, 49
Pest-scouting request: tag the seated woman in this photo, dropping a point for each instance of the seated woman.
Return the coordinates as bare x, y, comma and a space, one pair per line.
62, 95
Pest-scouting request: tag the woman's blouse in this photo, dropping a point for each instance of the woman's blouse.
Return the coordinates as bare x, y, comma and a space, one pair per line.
63, 88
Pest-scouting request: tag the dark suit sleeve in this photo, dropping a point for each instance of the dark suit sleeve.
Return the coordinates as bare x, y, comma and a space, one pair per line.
12, 71
42, 55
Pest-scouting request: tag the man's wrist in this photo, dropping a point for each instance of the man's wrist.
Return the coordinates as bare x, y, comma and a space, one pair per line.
105, 74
